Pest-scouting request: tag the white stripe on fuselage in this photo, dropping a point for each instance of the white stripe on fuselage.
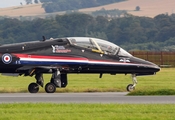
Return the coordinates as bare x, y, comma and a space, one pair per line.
94, 62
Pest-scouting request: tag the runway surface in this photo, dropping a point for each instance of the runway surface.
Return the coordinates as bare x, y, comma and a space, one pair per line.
107, 97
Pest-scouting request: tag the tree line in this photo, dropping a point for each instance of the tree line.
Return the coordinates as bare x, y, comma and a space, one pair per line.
130, 32
64, 5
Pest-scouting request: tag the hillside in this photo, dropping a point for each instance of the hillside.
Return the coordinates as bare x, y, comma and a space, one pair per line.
149, 8
24, 10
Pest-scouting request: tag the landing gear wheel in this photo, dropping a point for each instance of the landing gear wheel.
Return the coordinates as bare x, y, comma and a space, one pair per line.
130, 87
50, 88
33, 88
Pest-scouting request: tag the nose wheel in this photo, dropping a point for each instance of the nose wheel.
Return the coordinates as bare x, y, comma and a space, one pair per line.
33, 88
131, 87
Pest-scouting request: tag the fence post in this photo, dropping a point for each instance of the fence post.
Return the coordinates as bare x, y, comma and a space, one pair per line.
161, 58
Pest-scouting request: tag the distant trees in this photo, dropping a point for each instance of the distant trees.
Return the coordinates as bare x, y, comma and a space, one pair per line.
109, 13
28, 2
45, 1
65, 5
137, 8
142, 33
36, 1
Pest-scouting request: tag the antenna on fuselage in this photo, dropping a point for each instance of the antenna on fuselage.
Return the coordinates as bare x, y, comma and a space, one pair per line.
44, 38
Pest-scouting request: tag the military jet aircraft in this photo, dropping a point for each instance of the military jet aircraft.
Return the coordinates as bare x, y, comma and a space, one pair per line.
62, 56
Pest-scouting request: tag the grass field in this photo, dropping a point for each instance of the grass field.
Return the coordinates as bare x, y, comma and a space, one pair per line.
49, 111
163, 82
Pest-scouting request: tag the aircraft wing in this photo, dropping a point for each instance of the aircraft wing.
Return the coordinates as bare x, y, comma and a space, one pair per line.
36, 67
31, 70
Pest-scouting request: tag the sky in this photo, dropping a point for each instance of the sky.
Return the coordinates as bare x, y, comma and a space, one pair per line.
10, 3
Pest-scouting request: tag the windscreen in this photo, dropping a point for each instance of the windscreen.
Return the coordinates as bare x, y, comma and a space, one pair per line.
98, 44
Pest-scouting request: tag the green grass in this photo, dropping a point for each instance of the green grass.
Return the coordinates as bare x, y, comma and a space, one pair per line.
44, 111
153, 92
163, 83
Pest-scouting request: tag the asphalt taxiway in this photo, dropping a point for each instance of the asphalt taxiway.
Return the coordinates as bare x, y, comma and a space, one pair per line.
107, 97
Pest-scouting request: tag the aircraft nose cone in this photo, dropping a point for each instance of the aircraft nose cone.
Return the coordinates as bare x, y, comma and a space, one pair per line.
157, 68
151, 67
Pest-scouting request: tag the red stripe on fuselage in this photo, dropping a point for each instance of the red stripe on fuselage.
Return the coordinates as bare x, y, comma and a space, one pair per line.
49, 57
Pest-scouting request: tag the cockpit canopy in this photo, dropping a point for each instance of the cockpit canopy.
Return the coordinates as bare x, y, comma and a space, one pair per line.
98, 45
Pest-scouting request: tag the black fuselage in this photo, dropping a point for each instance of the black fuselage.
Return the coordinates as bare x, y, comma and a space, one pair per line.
69, 58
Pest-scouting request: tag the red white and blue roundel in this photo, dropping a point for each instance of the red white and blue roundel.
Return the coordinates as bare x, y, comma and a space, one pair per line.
7, 58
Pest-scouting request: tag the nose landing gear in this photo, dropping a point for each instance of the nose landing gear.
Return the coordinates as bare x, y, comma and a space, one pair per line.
131, 87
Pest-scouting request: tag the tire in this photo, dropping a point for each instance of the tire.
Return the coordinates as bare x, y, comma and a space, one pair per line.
130, 88
33, 88
50, 88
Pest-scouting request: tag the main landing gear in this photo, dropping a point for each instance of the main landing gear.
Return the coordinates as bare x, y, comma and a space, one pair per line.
57, 80
131, 87
33, 88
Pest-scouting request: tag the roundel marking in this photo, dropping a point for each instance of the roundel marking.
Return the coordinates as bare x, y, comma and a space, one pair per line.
7, 58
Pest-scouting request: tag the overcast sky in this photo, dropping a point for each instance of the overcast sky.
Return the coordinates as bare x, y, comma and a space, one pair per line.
10, 3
